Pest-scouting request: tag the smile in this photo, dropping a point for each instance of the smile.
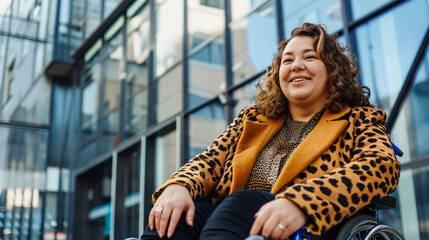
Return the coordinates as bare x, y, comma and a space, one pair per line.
300, 79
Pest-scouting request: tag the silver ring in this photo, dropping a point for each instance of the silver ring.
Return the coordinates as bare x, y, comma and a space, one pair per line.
283, 228
159, 209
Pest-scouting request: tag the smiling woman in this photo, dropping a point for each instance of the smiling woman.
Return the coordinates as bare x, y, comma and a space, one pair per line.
311, 152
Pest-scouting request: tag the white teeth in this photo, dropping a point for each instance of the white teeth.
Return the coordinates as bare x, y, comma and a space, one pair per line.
299, 79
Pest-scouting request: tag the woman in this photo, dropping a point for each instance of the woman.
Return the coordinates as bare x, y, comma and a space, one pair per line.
310, 152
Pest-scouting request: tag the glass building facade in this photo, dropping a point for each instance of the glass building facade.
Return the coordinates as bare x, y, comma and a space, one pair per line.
101, 100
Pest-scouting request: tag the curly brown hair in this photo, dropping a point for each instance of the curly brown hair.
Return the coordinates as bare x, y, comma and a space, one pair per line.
343, 88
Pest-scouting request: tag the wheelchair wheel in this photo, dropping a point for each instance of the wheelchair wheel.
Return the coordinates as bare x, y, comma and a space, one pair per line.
358, 227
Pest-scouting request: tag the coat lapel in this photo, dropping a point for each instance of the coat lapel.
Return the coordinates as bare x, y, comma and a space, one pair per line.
317, 141
254, 137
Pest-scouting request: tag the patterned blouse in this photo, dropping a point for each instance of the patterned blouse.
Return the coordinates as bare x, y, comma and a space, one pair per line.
274, 155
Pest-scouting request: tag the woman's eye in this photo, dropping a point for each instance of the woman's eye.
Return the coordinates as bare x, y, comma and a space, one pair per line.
310, 57
287, 60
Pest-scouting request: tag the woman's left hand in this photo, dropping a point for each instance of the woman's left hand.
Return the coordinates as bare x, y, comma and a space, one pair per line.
278, 219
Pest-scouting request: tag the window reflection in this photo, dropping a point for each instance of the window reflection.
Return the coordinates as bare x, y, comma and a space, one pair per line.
111, 97
94, 201
240, 8
206, 72
362, 7
170, 93
387, 47
77, 23
128, 194
412, 126
138, 42
136, 113
421, 181
205, 19
109, 132
165, 157
205, 125
109, 6
23, 156
254, 42
327, 12
93, 16
245, 96
169, 35
90, 104
136, 87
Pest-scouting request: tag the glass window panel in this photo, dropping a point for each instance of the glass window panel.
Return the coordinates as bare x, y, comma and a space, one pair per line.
136, 8
77, 22
169, 35
240, 8
90, 103
136, 87
109, 6
205, 125
86, 153
139, 18
421, 181
169, 94
23, 156
327, 12
137, 43
18, 78
136, 113
412, 125
97, 199
205, 19
362, 7
165, 157
386, 49
137, 77
35, 106
206, 72
128, 194
254, 42
112, 82
93, 16
245, 96
109, 132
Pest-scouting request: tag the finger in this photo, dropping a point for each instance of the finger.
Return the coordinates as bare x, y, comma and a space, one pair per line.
157, 216
190, 215
256, 228
175, 217
278, 232
268, 226
164, 220
151, 218
286, 234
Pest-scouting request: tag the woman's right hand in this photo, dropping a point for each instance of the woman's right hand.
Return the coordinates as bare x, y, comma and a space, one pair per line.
174, 200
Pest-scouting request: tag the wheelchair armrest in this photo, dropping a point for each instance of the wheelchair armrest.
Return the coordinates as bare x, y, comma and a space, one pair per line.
384, 203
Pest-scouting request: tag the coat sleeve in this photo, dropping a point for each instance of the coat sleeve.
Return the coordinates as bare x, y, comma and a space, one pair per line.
367, 172
202, 173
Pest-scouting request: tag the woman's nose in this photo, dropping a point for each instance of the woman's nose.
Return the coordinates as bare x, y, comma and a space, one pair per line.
298, 64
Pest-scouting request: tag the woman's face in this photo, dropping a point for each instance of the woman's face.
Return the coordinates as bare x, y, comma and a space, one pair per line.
303, 77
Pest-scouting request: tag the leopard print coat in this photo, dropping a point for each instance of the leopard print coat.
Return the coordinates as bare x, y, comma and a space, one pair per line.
343, 164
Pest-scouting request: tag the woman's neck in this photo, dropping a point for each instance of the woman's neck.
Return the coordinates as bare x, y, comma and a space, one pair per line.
304, 114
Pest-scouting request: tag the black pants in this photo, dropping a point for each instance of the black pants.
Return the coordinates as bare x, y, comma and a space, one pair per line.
231, 219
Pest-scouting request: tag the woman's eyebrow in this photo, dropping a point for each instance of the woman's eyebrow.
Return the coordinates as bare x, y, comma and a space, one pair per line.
304, 51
